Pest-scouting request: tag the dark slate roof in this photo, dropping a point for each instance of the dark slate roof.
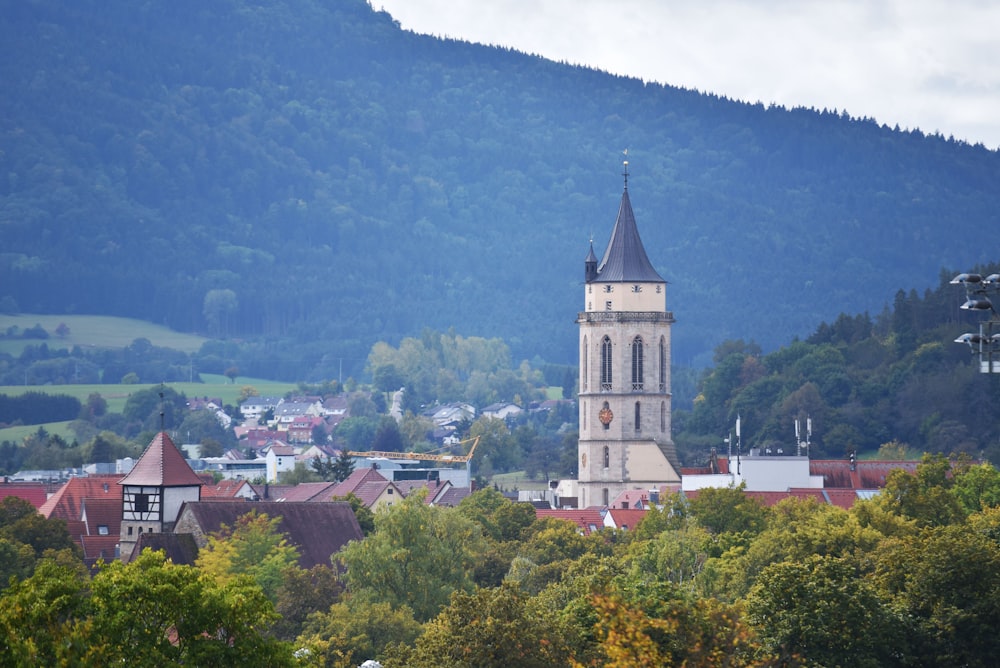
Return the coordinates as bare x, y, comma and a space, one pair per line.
318, 530
625, 259
99, 547
180, 548
162, 465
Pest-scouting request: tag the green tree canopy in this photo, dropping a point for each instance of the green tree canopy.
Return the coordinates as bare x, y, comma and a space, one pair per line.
417, 556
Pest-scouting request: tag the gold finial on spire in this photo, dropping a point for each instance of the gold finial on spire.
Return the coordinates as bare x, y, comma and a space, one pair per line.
625, 163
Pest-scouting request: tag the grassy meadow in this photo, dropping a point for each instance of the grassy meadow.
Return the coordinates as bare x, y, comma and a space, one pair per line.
94, 331
116, 395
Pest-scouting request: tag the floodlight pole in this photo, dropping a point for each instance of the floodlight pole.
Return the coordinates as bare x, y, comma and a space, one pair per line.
977, 292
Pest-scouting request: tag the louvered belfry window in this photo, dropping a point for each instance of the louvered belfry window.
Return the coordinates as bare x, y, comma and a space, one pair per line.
637, 364
606, 363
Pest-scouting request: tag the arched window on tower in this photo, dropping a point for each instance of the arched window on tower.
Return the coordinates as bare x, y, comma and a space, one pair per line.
583, 376
606, 363
637, 364
663, 365
663, 416
607, 456
638, 417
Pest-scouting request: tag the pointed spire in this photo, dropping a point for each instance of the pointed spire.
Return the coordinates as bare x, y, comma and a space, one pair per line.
161, 465
625, 258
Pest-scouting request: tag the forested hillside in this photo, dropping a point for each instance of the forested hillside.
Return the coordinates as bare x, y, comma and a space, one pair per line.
896, 378
307, 176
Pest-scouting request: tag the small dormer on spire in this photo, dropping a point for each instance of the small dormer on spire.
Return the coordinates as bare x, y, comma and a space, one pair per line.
590, 264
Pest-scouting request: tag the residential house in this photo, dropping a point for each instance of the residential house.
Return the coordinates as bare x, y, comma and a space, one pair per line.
436, 489
257, 438
622, 518
279, 459
374, 490
336, 410
238, 469
502, 411
254, 407
227, 489
641, 498
205, 403
286, 413
451, 414
302, 427
323, 452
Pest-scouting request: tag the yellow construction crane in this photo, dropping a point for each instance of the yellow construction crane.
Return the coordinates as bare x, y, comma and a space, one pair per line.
422, 456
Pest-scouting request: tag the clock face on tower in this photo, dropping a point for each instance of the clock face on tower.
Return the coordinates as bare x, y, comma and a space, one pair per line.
606, 416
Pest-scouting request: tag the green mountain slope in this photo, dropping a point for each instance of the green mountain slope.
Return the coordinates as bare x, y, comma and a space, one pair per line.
307, 173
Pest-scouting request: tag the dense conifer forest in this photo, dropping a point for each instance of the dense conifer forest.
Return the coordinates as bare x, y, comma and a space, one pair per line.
307, 178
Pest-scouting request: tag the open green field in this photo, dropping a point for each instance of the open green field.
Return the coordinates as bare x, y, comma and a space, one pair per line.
18, 434
94, 331
517, 480
116, 395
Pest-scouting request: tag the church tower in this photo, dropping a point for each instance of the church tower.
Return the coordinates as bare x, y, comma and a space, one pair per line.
153, 492
624, 389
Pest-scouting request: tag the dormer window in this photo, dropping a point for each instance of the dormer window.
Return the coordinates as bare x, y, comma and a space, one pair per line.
102, 529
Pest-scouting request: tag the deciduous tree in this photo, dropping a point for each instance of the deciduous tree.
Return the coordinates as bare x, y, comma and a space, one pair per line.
253, 546
417, 556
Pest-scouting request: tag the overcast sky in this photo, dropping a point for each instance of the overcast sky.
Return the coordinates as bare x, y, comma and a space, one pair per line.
927, 64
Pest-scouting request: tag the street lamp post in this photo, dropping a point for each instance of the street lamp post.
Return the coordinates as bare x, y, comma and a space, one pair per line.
985, 344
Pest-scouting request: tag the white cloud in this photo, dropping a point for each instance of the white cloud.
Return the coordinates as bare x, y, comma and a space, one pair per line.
916, 63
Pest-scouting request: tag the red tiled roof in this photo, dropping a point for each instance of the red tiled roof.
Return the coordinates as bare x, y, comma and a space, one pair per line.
625, 518
67, 502
868, 474
435, 488
103, 512
32, 492
99, 547
227, 488
588, 519
162, 465
842, 498
306, 491
367, 484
